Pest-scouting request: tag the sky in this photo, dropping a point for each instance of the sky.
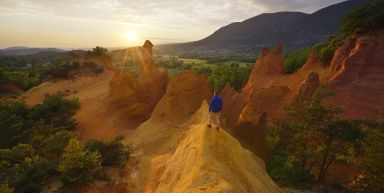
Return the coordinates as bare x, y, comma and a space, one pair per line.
122, 23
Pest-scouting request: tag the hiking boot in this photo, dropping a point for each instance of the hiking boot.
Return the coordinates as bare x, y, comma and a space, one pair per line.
209, 126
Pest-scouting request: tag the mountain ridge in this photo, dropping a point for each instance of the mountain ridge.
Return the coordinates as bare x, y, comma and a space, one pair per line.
295, 30
20, 50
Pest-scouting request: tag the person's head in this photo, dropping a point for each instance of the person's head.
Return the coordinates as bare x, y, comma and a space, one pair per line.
216, 93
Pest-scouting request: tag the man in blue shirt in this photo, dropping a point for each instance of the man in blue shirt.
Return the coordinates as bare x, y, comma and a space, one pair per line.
215, 107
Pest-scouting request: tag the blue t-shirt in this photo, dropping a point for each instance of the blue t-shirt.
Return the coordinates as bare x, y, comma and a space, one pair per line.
215, 104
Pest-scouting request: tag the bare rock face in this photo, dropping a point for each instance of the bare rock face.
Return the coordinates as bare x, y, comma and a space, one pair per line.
254, 98
359, 81
264, 100
253, 136
312, 62
135, 96
234, 103
309, 86
269, 65
342, 53
184, 96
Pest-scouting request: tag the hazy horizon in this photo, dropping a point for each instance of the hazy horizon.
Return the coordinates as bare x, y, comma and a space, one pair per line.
118, 23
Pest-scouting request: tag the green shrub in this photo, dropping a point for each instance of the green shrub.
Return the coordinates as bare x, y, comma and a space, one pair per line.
22, 169
112, 152
327, 48
14, 123
233, 75
78, 166
49, 141
313, 135
25, 80
364, 19
372, 164
326, 54
295, 60
60, 69
56, 110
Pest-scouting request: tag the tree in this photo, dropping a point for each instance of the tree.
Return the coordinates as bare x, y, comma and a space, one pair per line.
295, 60
99, 51
78, 165
56, 110
314, 135
364, 19
371, 166
112, 152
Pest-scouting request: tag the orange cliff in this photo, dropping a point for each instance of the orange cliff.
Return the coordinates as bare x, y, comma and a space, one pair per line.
132, 97
359, 77
356, 75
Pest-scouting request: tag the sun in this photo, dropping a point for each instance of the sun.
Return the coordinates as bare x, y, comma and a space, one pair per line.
133, 36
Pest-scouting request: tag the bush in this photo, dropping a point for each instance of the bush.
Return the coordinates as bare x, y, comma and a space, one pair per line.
295, 60
372, 164
78, 166
25, 80
56, 110
224, 74
60, 69
23, 170
112, 152
326, 54
14, 123
364, 19
314, 135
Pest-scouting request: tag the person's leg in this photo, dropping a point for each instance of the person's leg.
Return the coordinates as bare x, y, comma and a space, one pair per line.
218, 122
209, 119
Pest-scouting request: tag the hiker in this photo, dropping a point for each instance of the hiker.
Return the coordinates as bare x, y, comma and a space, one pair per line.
215, 107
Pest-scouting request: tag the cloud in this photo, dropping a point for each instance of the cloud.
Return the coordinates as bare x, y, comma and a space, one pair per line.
165, 12
307, 6
175, 19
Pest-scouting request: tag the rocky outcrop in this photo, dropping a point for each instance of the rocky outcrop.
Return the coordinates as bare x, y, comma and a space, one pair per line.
312, 62
269, 65
134, 96
309, 86
253, 136
342, 53
234, 103
184, 95
260, 93
192, 158
264, 100
359, 81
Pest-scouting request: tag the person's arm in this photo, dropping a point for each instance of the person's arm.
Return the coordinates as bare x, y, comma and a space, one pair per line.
211, 105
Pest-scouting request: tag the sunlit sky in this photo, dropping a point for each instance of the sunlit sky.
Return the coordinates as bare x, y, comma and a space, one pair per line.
122, 23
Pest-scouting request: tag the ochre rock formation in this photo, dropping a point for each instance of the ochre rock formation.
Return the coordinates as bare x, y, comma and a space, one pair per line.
133, 97
233, 104
268, 66
253, 136
196, 159
312, 62
309, 86
262, 92
264, 100
359, 81
184, 95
